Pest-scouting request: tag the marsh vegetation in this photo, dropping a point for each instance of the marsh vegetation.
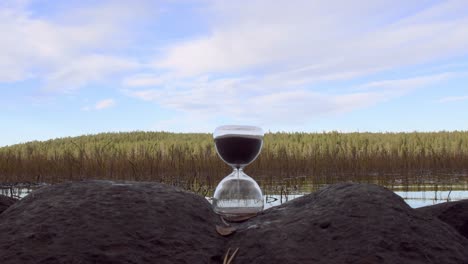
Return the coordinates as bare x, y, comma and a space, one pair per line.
288, 161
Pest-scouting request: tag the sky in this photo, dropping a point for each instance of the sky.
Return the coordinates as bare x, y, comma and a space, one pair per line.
69, 68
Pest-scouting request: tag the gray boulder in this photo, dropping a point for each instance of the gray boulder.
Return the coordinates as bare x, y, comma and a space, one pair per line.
6, 202
108, 222
129, 222
348, 223
452, 213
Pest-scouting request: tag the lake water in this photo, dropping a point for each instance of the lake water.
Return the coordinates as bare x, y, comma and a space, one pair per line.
429, 196
414, 199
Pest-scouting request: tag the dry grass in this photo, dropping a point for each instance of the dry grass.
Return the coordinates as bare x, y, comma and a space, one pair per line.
287, 159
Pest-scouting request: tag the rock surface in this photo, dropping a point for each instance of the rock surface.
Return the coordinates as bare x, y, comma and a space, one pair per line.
109, 222
6, 202
348, 223
452, 213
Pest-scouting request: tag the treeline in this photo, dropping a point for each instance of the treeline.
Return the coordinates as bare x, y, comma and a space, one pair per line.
190, 160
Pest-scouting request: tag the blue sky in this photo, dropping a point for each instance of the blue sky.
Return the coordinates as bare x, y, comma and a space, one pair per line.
69, 68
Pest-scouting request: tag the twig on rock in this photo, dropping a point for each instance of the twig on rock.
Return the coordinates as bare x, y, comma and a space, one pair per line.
227, 259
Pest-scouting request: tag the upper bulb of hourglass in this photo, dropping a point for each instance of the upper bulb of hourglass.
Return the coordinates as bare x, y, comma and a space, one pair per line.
238, 145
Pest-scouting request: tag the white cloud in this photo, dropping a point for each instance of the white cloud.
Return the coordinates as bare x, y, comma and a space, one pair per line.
270, 62
450, 99
106, 103
78, 46
265, 63
141, 80
399, 87
87, 69
103, 104
281, 103
318, 36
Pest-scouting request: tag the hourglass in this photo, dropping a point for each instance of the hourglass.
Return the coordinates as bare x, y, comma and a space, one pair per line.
238, 196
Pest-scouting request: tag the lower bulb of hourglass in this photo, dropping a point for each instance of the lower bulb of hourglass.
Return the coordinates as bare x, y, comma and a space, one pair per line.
237, 197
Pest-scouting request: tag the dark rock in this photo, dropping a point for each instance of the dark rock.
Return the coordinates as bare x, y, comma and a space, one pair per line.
347, 223
6, 202
108, 222
452, 213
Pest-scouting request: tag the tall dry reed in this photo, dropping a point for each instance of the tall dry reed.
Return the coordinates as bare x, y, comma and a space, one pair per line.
190, 160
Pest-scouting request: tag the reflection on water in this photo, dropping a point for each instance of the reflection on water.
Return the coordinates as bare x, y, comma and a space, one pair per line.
423, 198
413, 195
414, 199
18, 191
275, 200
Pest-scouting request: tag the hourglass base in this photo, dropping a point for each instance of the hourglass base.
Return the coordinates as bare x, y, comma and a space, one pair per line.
235, 214
238, 214
237, 197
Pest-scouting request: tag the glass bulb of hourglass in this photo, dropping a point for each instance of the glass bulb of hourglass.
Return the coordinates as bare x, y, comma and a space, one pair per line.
238, 196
